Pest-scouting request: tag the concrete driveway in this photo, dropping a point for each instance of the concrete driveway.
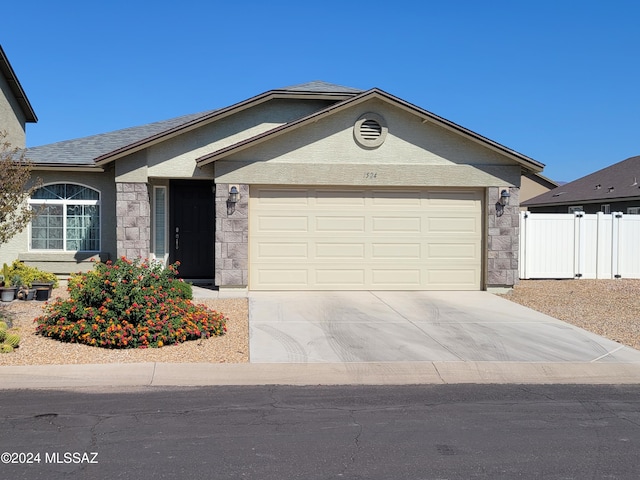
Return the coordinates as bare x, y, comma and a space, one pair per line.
344, 327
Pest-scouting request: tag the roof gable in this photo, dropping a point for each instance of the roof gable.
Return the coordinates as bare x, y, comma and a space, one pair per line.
618, 181
526, 162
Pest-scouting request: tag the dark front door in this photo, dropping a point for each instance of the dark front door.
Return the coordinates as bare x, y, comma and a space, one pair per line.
191, 227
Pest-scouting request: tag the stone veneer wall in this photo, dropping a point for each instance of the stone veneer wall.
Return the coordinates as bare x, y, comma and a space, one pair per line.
133, 220
503, 240
232, 238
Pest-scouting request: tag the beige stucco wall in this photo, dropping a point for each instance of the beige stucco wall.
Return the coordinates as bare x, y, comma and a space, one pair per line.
414, 153
176, 157
18, 247
12, 118
532, 187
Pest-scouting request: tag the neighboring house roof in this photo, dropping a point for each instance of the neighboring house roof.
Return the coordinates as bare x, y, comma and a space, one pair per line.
12, 80
98, 150
619, 182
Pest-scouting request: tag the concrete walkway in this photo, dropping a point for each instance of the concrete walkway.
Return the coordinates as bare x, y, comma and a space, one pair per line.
381, 338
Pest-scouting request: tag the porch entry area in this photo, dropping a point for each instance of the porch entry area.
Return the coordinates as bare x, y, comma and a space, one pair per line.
192, 228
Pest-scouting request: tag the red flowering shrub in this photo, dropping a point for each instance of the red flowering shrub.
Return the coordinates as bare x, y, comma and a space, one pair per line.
129, 304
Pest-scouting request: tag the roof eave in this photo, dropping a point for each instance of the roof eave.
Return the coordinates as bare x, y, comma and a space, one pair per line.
65, 167
16, 88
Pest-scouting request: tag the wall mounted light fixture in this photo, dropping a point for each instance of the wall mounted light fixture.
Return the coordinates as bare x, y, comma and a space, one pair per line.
234, 196
502, 202
504, 197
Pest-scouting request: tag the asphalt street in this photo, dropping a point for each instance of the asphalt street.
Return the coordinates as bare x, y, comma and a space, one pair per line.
430, 432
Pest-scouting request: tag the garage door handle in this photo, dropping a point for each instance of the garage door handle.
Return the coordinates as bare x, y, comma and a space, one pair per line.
177, 239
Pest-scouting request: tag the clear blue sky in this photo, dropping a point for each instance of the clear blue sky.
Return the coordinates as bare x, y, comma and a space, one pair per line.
556, 80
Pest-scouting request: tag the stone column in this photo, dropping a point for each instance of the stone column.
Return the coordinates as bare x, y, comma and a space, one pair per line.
503, 239
232, 238
133, 220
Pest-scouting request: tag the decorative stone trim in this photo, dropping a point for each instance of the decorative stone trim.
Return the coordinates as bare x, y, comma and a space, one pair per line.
503, 238
232, 238
133, 220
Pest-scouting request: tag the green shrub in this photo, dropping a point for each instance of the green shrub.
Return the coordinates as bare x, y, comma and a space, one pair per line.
129, 304
28, 274
183, 289
4, 348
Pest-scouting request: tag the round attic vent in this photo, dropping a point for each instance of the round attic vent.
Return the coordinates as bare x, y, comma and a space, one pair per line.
370, 130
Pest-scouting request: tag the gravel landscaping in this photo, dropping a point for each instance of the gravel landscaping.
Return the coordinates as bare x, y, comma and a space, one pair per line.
233, 347
610, 308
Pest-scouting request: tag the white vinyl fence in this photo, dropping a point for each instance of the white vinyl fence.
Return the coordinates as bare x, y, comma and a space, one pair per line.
577, 245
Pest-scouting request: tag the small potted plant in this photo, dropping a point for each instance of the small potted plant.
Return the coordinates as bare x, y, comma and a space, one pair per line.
7, 291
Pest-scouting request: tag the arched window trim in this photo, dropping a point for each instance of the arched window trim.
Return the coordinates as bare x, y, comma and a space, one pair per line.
61, 230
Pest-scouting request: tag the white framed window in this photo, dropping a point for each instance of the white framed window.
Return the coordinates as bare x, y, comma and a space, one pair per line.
160, 222
68, 218
575, 208
633, 210
606, 208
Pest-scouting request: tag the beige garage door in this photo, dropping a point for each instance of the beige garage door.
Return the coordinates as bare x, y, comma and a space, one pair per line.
325, 238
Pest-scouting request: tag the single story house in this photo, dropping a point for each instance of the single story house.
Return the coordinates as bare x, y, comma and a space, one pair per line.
612, 189
310, 187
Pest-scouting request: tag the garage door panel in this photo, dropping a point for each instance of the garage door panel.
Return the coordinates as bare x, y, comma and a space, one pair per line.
450, 278
278, 250
455, 225
340, 197
353, 277
374, 238
387, 278
339, 224
396, 224
340, 250
278, 278
275, 197
407, 251
282, 223
396, 198
452, 251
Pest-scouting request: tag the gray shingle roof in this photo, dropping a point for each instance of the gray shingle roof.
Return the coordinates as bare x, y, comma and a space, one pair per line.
619, 181
83, 151
319, 86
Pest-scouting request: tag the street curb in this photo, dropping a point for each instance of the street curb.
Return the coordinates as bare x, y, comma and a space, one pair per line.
128, 375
